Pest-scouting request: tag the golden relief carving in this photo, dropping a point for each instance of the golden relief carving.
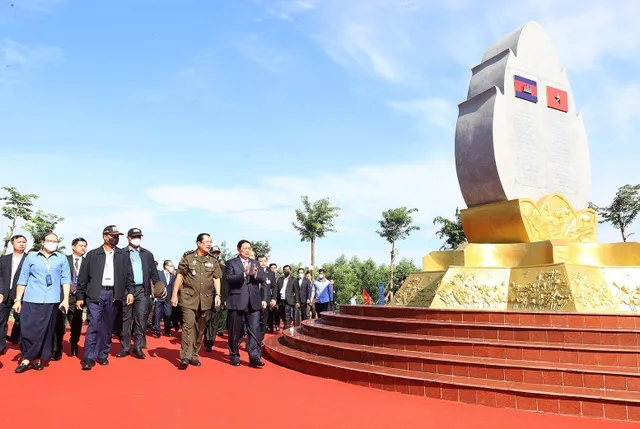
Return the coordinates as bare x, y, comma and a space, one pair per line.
525, 221
628, 296
593, 297
465, 291
418, 290
549, 291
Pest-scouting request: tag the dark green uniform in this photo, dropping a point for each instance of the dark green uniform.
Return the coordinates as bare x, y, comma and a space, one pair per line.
196, 299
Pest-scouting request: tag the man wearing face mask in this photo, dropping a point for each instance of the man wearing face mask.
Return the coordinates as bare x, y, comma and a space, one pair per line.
105, 277
287, 295
268, 292
136, 308
10, 266
303, 285
322, 293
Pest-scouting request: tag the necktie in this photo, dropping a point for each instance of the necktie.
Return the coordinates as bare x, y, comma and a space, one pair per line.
74, 286
246, 267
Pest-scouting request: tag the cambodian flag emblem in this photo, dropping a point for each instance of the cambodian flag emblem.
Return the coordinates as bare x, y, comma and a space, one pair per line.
526, 89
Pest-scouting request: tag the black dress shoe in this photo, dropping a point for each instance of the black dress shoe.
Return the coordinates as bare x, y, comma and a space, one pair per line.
88, 364
74, 350
123, 353
57, 356
208, 349
184, 364
139, 354
103, 361
23, 367
12, 340
38, 366
195, 362
156, 335
258, 364
234, 363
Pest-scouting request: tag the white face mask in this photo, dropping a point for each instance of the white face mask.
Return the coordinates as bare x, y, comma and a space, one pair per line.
51, 247
136, 242
321, 276
301, 275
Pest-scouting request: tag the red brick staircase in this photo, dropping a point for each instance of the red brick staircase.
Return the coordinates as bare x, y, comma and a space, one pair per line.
562, 363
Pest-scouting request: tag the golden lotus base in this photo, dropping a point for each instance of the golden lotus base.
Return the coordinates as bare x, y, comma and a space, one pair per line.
544, 276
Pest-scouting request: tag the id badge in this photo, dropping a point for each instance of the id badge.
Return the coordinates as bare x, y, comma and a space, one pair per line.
49, 280
75, 280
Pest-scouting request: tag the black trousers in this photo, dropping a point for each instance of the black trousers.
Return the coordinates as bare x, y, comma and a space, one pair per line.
176, 318
5, 311
273, 321
212, 326
264, 319
322, 307
134, 318
117, 321
74, 317
304, 309
284, 313
236, 320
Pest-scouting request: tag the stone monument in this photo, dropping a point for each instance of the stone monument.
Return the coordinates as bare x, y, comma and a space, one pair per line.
522, 161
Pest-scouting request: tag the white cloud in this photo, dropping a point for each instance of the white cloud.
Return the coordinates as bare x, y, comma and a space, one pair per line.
256, 49
436, 111
17, 59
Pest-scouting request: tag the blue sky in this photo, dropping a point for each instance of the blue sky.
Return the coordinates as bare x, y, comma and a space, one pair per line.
184, 116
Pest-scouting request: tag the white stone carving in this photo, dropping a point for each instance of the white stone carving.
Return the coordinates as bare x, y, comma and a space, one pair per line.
508, 147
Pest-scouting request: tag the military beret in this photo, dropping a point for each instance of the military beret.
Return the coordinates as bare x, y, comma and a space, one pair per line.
159, 289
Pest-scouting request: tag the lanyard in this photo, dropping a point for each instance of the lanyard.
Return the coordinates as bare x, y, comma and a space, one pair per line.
47, 262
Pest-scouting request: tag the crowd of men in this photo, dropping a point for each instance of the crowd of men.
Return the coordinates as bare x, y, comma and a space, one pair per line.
124, 292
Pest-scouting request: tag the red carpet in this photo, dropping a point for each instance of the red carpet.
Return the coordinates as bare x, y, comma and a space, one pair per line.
153, 393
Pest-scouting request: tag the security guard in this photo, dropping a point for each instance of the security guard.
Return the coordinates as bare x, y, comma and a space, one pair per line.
217, 317
198, 271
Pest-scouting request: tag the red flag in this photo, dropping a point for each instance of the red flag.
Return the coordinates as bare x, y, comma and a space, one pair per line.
366, 297
557, 99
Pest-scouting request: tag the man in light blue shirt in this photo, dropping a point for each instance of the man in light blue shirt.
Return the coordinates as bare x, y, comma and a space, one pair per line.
43, 287
322, 293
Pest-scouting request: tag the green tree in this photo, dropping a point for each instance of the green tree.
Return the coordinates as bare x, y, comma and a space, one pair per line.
16, 206
40, 224
225, 252
622, 211
261, 248
451, 231
404, 268
314, 221
396, 224
346, 280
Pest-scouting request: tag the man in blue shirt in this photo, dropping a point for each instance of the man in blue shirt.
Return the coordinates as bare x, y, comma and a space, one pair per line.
43, 275
322, 293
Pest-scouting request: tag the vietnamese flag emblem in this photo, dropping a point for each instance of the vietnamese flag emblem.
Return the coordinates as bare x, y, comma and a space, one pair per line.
557, 99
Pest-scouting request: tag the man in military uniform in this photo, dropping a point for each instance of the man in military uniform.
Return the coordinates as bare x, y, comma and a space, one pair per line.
198, 277
217, 317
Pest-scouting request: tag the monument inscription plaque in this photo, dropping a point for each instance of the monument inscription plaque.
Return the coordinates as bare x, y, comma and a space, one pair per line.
518, 135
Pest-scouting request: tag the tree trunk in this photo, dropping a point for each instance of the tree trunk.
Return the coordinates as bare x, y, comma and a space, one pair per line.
313, 257
12, 228
391, 265
624, 237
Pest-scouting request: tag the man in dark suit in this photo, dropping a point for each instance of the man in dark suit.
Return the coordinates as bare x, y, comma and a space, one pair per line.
163, 306
268, 293
287, 294
105, 277
244, 304
304, 294
10, 266
73, 314
135, 311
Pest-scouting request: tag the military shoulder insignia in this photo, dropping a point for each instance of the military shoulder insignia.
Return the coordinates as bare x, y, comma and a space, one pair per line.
188, 253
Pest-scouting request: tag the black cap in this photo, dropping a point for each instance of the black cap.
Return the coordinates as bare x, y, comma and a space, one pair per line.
111, 229
133, 232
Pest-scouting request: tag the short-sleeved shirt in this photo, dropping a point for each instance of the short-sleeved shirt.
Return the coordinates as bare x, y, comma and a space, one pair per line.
34, 273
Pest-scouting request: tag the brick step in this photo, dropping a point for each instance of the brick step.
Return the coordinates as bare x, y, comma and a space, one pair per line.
530, 372
576, 401
535, 318
607, 356
625, 337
